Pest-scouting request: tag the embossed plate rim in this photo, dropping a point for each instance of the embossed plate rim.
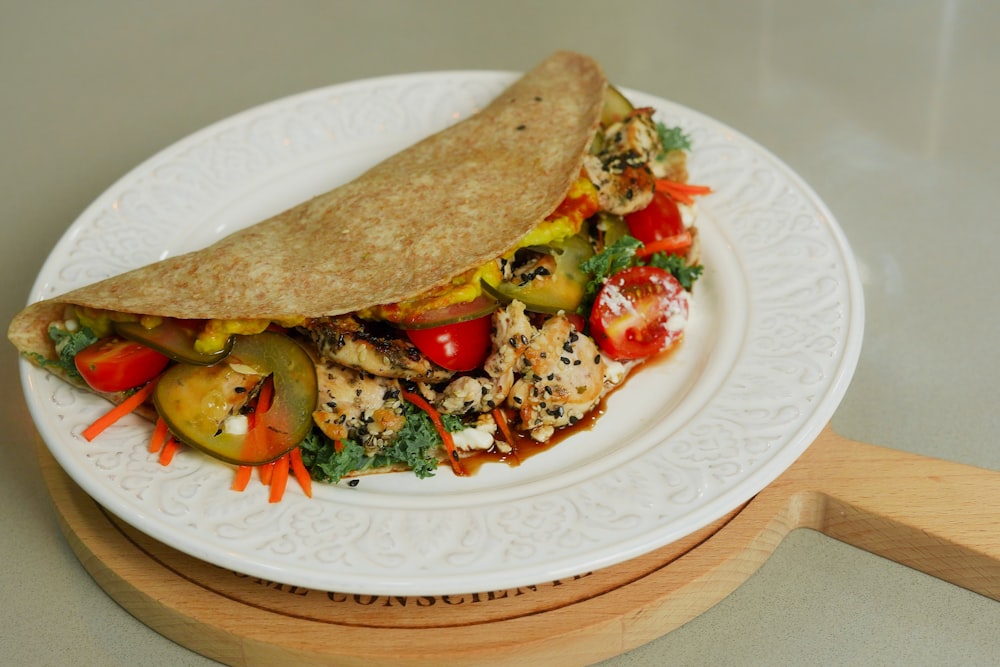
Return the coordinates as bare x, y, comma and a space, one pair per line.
594, 518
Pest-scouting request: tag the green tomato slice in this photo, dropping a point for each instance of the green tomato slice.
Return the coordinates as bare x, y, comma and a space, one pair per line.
196, 402
562, 290
173, 339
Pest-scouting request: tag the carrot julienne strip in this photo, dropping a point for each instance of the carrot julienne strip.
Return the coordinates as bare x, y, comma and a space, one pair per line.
449, 442
682, 192
669, 245
501, 419
302, 475
169, 449
117, 412
243, 475
159, 436
266, 473
279, 479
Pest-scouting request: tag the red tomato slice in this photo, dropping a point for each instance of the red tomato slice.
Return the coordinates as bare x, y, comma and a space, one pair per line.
460, 346
659, 221
115, 364
638, 312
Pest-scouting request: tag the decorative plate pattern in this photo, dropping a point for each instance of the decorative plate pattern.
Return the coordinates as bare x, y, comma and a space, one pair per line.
773, 342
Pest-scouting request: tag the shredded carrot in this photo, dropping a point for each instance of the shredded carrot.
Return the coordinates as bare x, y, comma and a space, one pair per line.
449, 442
266, 472
682, 192
501, 419
338, 446
671, 245
299, 470
170, 448
264, 396
117, 412
243, 475
159, 436
279, 479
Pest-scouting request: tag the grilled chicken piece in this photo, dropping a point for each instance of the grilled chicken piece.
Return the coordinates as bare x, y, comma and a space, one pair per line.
511, 334
374, 348
356, 404
621, 170
563, 376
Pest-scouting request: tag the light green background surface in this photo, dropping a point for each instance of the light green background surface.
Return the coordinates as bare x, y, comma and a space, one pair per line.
888, 109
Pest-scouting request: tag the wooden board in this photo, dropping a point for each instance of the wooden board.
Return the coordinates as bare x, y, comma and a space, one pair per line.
938, 517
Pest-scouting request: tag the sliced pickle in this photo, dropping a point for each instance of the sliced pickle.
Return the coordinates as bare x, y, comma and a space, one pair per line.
174, 339
481, 306
612, 227
196, 401
616, 107
562, 290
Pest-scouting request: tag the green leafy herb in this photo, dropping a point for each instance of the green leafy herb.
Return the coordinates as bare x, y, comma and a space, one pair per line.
67, 344
415, 446
686, 274
616, 257
621, 255
672, 138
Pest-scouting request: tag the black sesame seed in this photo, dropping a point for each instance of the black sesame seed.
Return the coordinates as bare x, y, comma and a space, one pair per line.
240, 390
565, 360
354, 482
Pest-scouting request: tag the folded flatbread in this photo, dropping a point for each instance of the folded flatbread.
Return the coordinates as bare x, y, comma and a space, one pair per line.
433, 211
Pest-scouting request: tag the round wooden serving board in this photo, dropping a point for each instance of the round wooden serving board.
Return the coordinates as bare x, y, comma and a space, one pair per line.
936, 516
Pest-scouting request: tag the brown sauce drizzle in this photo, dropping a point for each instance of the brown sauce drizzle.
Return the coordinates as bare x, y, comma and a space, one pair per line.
524, 446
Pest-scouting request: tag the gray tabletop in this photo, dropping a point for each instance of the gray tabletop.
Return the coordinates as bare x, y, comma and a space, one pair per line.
888, 109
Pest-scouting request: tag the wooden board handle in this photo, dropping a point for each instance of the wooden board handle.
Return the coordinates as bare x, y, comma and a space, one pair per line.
936, 516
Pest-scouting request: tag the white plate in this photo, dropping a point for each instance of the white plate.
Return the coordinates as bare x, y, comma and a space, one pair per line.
774, 340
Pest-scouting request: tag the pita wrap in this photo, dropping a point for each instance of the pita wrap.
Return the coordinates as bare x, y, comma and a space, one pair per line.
444, 206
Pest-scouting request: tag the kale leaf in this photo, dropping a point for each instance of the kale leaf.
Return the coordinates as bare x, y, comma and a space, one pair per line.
672, 138
415, 445
67, 344
616, 257
686, 274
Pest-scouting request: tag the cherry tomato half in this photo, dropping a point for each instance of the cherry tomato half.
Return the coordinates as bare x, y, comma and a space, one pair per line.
460, 346
639, 312
115, 364
659, 221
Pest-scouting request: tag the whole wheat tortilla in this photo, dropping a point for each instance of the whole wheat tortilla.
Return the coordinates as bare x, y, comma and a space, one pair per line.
445, 205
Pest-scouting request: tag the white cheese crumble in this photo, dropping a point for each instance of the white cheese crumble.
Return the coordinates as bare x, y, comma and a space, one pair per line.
472, 439
236, 425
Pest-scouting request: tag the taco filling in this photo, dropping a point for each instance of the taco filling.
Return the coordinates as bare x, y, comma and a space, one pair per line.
549, 270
